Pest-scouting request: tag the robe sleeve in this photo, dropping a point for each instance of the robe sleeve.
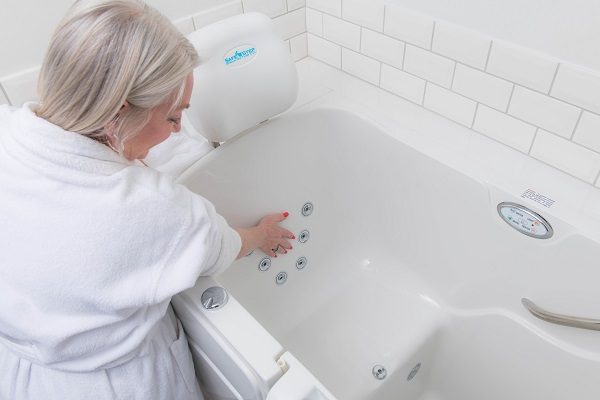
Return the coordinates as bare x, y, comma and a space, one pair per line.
204, 245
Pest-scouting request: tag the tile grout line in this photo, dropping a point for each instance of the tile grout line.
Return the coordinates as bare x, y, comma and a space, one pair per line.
298, 35
322, 26
305, 26
562, 170
487, 60
512, 92
553, 80
499, 141
597, 180
432, 35
532, 142
474, 116
360, 39
424, 94
453, 76
403, 55
400, 96
576, 126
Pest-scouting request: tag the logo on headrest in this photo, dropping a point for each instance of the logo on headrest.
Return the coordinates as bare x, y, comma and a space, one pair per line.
240, 55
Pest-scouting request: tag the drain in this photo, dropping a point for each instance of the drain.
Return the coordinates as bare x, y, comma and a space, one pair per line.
281, 278
307, 209
379, 372
303, 236
413, 372
301, 262
264, 264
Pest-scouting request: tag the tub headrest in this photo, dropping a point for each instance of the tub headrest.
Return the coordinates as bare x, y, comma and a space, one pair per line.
246, 76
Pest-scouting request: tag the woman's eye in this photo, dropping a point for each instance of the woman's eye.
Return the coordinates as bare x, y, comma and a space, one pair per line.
175, 121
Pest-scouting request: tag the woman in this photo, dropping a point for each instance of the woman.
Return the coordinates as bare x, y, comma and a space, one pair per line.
95, 243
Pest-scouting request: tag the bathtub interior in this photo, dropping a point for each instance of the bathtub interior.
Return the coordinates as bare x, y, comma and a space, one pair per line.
407, 263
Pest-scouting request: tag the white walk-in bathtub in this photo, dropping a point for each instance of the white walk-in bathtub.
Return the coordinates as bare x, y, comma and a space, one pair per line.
409, 275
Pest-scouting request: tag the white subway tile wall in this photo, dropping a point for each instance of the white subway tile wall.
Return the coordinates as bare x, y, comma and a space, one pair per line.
333, 7
341, 32
567, 156
543, 111
218, 13
298, 47
365, 13
521, 66
185, 25
514, 95
402, 84
21, 87
578, 86
321, 49
295, 4
291, 24
461, 44
289, 17
588, 131
408, 26
504, 128
314, 22
482, 87
428, 65
363, 67
450, 104
382, 47
272, 8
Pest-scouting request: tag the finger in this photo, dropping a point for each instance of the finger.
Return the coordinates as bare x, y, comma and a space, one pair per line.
268, 251
280, 249
287, 234
284, 244
278, 217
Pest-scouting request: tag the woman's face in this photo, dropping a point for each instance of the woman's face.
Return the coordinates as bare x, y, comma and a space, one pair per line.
160, 126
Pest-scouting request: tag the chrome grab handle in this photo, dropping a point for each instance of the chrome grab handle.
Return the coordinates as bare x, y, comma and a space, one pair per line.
567, 320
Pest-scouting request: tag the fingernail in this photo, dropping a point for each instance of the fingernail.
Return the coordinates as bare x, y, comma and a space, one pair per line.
285, 214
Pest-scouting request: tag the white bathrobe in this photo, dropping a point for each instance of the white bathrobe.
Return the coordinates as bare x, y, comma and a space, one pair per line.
92, 248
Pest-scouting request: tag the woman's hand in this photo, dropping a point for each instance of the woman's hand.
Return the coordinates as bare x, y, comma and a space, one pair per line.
267, 236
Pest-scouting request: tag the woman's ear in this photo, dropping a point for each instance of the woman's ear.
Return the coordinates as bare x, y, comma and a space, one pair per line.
125, 104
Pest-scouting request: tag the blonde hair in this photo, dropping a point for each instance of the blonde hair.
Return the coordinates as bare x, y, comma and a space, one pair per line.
105, 54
